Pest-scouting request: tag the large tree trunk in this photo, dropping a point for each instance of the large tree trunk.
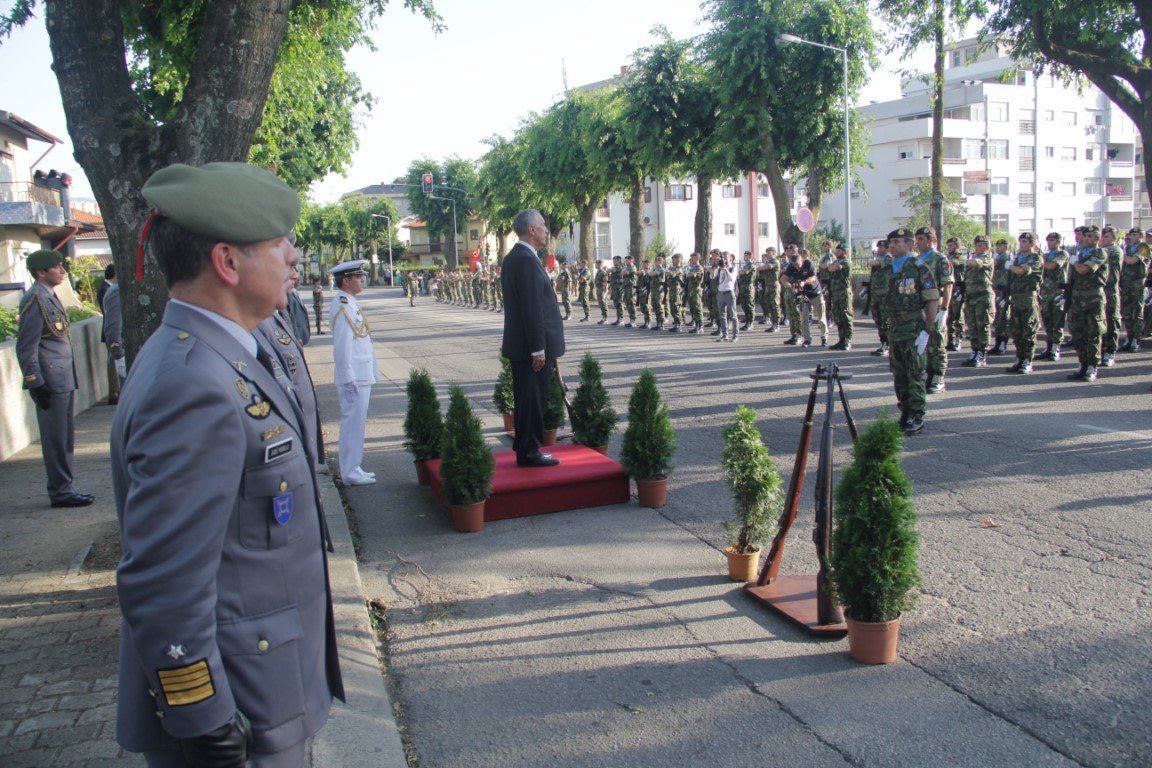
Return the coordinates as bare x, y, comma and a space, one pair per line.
702, 228
636, 218
789, 232
587, 233
119, 146
937, 208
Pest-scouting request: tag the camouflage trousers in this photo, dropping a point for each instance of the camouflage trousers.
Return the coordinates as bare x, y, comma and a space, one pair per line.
907, 366
979, 311
955, 325
1132, 310
880, 317
696, 307
603, 305
1087, 322
1111, 337
791, 310
1024, 325
770, 303
842, 314
1052, 317
1000, 324
748, 304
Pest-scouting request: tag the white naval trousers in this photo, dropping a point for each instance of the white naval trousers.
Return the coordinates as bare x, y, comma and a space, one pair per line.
353, 422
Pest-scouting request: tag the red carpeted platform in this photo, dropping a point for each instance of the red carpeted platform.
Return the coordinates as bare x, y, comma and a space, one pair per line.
584, 478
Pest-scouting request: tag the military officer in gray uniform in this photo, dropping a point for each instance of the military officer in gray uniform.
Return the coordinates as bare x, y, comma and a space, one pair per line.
44, 350
228, 652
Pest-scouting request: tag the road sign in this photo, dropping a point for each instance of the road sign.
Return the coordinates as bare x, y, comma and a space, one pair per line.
805, 221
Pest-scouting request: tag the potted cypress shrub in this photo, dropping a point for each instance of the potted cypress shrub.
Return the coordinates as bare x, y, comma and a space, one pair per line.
466, 464
504, 397
553, 410
593, 418
649, 442
755, 483
423, 423
874, 543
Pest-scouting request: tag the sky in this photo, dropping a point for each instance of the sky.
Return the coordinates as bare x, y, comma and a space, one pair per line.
438, 94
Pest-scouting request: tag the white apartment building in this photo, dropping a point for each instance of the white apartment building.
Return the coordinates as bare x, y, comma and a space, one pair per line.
1027, 153
743, 218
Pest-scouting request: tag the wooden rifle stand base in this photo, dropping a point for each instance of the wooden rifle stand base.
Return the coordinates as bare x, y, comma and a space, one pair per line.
806, 600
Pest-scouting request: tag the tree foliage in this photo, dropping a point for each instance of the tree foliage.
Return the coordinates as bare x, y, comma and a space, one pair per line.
957, 222
593, 417
423, 424
466, 463
446, 209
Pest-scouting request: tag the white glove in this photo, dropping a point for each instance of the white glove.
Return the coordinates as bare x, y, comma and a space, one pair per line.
350, 393
1060, 300
121, 367
1002, 303
941, 319
922, 342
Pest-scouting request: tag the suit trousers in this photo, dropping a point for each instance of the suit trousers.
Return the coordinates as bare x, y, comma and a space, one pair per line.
57, 442
353, 421
531, 391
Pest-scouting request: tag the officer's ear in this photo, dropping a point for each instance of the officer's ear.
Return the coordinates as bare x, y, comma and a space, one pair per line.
225, 259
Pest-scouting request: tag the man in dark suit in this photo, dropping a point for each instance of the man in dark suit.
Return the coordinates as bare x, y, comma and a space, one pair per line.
228, 651
533, 335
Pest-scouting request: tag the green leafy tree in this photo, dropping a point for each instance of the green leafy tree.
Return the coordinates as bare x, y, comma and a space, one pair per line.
957, 222
145, 85
874, 540
754, 481
446, 209
1109, 42
765, 126
500, 188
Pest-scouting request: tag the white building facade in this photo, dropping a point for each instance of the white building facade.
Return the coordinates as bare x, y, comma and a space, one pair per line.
1026, 152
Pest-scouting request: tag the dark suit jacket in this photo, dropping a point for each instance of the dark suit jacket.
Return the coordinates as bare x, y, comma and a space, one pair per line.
531, 315
223, 585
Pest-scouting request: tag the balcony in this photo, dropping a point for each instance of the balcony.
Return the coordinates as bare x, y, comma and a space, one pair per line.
27, 205
1027, 200
1027, 163
1027, 127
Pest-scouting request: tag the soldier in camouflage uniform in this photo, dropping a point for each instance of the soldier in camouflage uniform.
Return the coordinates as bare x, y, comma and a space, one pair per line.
880, 270
1024, 278
629, 278
746, 283
1088, 277
827, 258
656, 291
936, 357
958, 256
600, 281
694, 279
616, 285
979, 301
788, 296
1115, 257
768, 290
1003, 307
840, 294
711, 286
674, 287
643, 296
564, 288
410, 288
911, 303
1133, 273
1052, 285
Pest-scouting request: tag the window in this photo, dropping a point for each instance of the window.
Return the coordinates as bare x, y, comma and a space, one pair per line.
1049, 151
1092, 217
1027, 157
1049, 224
603, 237
1049, 187
647, 194
1067, 153
1027, 191
977, 113
906, 151
1067, 117
1090, 152
1049, 116
1068, 189
678, 192
729, 229
730, 190
473, 234
762, 190
956, 58
906, 189
1027, 114
1093, 187
999, 222
974, 149
999, 185
998, 149
1095, 117
764, 225
998, 111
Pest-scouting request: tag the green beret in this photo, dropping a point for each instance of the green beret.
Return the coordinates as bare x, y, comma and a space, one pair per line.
926, 231
233, 202
900, 234
43, 259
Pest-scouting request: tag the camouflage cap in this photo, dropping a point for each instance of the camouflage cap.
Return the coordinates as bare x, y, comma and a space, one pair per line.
44, 259
926, 231
900, 234
233, 202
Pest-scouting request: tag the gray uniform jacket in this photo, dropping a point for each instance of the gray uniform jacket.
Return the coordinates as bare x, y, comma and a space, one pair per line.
279, 338
43, 345
223, 583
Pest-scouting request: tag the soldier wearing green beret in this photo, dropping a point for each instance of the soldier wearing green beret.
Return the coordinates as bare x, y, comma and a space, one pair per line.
228, 652
44, 350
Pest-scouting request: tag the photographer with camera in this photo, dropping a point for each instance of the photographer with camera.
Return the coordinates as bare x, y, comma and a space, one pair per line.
801, 275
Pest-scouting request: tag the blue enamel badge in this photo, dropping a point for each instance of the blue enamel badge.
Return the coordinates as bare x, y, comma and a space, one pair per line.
282, 508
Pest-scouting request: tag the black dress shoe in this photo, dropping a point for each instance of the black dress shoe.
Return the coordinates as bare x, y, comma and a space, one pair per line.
75, 500
536, 460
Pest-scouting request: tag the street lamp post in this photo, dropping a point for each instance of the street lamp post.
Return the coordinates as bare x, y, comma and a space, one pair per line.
391, 273
784, 39
455, 254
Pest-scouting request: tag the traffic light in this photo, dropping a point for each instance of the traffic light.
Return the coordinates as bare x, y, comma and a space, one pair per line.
427, 183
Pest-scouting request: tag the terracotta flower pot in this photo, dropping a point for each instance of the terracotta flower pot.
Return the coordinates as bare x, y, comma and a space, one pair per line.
549, 437
743, 567
509, 423
423, 476
468, 518
652, 493
873, 643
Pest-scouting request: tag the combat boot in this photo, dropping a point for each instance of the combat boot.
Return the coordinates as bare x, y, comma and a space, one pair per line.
823, 341
675, 328
1079, 374
710, 324
837, 346
1089, 373
881, 351
1108, 360
1047, 353
913, 425
793, 341
584, 319
981, 358
697, 328
746, 326
659, 326
999, 348
715, 332
643, 325
1135, 346
1015, 368
771, 328
628, 324
935, 384
953, 345
971, 361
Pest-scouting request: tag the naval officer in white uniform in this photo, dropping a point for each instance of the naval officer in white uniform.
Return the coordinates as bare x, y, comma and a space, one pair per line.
355, 371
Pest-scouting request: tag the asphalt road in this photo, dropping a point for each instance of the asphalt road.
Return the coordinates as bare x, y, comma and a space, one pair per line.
610, 637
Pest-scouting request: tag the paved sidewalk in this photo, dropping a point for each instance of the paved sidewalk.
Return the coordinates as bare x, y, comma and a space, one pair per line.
59, 625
